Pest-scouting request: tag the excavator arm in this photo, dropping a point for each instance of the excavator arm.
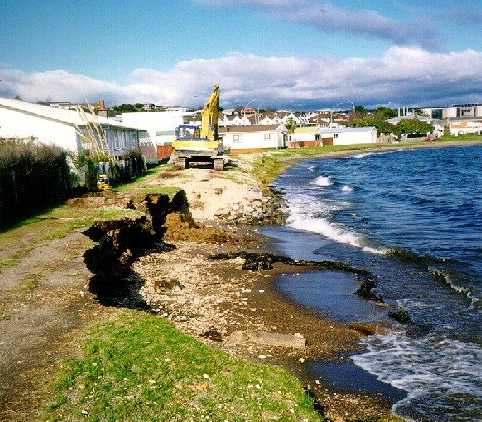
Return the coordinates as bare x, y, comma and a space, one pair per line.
208, 146
210, 116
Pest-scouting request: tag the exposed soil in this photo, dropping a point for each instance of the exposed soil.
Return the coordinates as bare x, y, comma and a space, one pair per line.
46, 302
212, 299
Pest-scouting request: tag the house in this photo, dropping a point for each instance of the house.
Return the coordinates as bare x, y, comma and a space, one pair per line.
235, 121
61, 127
348, 135
307, 136
160, 125
253, 137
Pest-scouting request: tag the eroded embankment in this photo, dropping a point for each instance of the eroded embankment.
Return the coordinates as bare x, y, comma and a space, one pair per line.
217, 284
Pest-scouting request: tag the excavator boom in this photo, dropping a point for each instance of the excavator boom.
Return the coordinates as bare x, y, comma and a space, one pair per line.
210, 116
201, 144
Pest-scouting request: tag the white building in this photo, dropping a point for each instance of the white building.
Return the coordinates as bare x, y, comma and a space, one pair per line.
467, 111
160, 125
57, 126
305, 134
348, 135
253, 137
465, 127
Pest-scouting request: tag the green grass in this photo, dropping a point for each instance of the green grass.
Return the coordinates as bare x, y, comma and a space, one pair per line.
140, 368
154, 189
62, 220
270, 165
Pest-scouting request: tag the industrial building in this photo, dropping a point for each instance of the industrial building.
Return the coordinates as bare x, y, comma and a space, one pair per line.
61, 127
159, 125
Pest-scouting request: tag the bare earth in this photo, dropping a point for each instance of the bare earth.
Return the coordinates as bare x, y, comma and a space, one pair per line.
45, 303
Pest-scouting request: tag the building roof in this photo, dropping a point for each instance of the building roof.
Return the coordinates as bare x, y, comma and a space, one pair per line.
70, 117
347, 129
306, 129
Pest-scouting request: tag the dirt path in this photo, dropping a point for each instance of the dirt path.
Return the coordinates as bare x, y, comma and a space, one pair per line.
44, 298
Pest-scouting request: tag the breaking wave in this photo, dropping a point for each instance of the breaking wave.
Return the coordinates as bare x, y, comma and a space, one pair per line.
347, 189
305, 214
322, 181
433, 370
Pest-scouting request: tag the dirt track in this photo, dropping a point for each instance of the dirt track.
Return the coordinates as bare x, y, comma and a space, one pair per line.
44, 299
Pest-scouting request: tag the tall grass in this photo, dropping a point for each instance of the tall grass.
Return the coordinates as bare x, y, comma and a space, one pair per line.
32, 177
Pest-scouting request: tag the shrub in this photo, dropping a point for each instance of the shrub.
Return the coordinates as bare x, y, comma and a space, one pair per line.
32, 177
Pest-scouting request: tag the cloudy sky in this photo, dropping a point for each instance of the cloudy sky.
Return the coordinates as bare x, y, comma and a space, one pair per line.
283, 53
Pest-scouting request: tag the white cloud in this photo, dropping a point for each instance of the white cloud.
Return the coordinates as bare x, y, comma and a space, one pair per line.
402, 75
327, 17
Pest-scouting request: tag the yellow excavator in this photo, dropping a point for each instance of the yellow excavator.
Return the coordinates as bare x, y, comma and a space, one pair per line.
200, 144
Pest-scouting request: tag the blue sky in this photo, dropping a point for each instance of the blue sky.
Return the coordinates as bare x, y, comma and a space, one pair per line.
109, 41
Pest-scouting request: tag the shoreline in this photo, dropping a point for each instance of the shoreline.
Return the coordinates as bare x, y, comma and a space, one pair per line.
197, 294
326, 338
337, 403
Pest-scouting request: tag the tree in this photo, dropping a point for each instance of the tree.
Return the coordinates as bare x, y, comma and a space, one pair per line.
291, 125
384, 113
413, 127
361, 110
381, 125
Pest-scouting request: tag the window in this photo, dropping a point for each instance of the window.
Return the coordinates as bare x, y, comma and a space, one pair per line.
335, 135
235, 138
317, 137
267, 136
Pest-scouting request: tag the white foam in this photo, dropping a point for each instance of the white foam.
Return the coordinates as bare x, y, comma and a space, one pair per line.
322, 181
363, 155
466, 291
347, 189
311, 168
367, 154
307, 214
432, 370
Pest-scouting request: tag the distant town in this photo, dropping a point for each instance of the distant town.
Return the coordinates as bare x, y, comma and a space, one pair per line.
151, 127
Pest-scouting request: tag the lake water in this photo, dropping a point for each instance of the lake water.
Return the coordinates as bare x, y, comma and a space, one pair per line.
414, 219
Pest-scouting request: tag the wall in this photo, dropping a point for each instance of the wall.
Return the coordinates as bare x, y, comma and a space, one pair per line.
449, 112
253, 140
352, 137
159, 125
121, 141
16, 124
465, 127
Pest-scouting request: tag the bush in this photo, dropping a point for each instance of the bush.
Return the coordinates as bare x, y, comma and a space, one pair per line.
32, 177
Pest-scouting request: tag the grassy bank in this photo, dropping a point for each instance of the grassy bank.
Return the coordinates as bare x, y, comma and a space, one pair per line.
62, 220
270, 165
139, 367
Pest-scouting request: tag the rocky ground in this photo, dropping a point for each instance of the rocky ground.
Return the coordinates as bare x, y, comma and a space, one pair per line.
46, 301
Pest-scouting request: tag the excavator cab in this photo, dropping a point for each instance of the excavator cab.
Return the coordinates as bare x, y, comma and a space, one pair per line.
185, 132
200, 144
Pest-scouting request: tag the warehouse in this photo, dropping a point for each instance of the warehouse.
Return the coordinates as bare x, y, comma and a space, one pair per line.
55, 126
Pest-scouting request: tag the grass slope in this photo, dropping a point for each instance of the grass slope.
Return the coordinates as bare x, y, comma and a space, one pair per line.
140, 368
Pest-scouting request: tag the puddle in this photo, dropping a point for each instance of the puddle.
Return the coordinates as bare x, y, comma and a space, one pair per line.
331, 293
